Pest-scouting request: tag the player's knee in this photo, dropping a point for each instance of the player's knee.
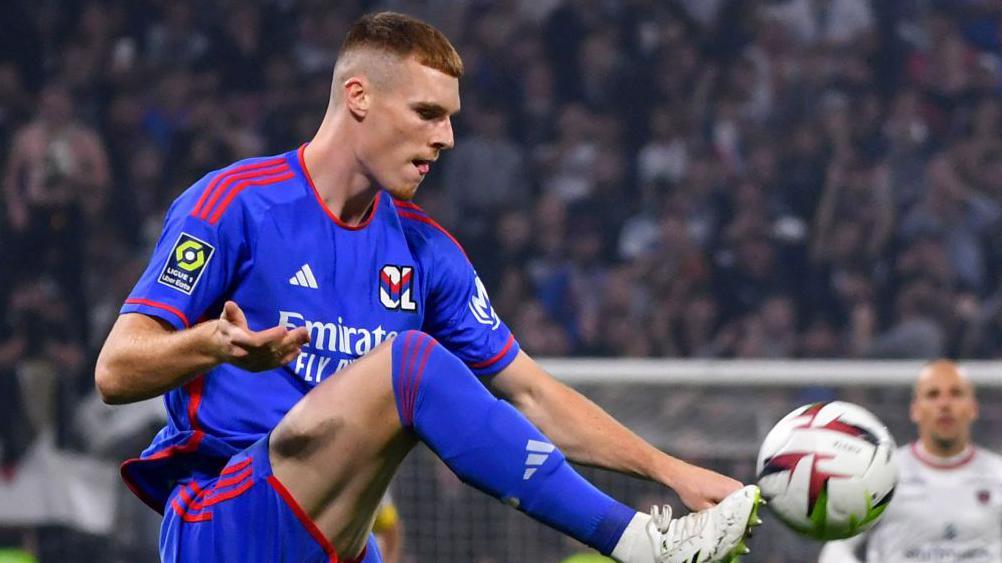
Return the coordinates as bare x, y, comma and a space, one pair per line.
295, 437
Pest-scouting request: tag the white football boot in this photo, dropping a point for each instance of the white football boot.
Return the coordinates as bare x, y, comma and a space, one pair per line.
709, 536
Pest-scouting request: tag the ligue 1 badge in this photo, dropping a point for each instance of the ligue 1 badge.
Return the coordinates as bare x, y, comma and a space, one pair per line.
186, 263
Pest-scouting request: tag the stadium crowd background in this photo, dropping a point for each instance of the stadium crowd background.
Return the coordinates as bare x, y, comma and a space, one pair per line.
663, 178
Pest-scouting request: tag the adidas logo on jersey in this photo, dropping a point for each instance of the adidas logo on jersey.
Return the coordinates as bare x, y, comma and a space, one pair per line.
304, 278
539, 452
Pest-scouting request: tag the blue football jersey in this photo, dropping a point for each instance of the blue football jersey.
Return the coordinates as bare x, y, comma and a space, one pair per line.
258, 233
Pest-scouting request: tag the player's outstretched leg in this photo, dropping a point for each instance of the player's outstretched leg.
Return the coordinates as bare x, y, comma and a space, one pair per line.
338, 448
491, 446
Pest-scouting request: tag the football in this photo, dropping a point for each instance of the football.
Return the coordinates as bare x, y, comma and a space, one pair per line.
827, 470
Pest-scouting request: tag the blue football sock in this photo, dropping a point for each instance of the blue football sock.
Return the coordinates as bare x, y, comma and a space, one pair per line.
491, 446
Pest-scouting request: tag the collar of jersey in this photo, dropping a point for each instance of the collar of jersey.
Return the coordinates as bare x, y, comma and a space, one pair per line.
337, 221
937, 462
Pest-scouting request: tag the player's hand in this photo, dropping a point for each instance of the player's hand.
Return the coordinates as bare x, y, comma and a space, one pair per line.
256, 350
700, 488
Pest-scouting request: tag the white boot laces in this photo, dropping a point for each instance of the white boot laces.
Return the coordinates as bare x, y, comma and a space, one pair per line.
691, 526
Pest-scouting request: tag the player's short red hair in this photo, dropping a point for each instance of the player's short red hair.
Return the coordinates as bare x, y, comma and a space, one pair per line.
404, 36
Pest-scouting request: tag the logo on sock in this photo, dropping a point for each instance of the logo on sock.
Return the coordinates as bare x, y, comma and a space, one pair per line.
539, 452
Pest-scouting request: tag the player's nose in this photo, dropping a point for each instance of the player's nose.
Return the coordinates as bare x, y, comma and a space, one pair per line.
443, 138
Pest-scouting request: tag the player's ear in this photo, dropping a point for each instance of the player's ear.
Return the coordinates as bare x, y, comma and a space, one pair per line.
357, 96
912, 412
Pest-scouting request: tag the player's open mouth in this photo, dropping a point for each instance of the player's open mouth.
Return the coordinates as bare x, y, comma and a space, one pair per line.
422, 165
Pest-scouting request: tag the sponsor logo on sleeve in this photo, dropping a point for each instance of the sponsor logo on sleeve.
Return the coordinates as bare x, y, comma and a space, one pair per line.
480, 306
186, 263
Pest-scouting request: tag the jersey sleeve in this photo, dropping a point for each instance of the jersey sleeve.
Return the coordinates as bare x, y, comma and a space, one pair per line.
192, 265
461, 317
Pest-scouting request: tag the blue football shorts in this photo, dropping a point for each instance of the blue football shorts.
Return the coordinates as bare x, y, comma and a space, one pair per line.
244, 515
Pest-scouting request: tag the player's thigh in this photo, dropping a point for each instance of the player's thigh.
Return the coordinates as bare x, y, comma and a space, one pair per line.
352, 412
338, 448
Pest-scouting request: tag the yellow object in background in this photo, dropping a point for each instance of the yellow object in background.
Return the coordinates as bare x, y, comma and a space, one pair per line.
386, 518
389, 530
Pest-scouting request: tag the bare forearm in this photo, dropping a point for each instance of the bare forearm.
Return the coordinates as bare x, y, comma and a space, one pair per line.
141, 359
590, 436
583, 431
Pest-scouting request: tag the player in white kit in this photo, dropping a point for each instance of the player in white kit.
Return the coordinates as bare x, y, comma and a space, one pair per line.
948, 504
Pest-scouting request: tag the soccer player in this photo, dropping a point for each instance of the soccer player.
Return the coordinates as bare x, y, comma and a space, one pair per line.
309, 325
948, 503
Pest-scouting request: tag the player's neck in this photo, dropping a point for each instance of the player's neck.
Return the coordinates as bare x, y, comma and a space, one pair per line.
344, 189
944, 452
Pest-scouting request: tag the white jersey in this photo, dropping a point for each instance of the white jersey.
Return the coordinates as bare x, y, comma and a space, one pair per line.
943, 511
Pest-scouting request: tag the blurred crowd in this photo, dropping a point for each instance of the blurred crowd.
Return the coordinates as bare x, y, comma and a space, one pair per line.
680, 178
684, 178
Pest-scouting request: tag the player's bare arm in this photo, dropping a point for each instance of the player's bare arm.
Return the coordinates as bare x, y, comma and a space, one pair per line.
144, 357
590, 436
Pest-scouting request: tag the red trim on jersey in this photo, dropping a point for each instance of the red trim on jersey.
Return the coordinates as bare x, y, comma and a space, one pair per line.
428, 220
157, 305
188, 446
496, 357
288, 174
408, 205
309, 524
243, 168
337, 220
929, 461
238, 179
194, 389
